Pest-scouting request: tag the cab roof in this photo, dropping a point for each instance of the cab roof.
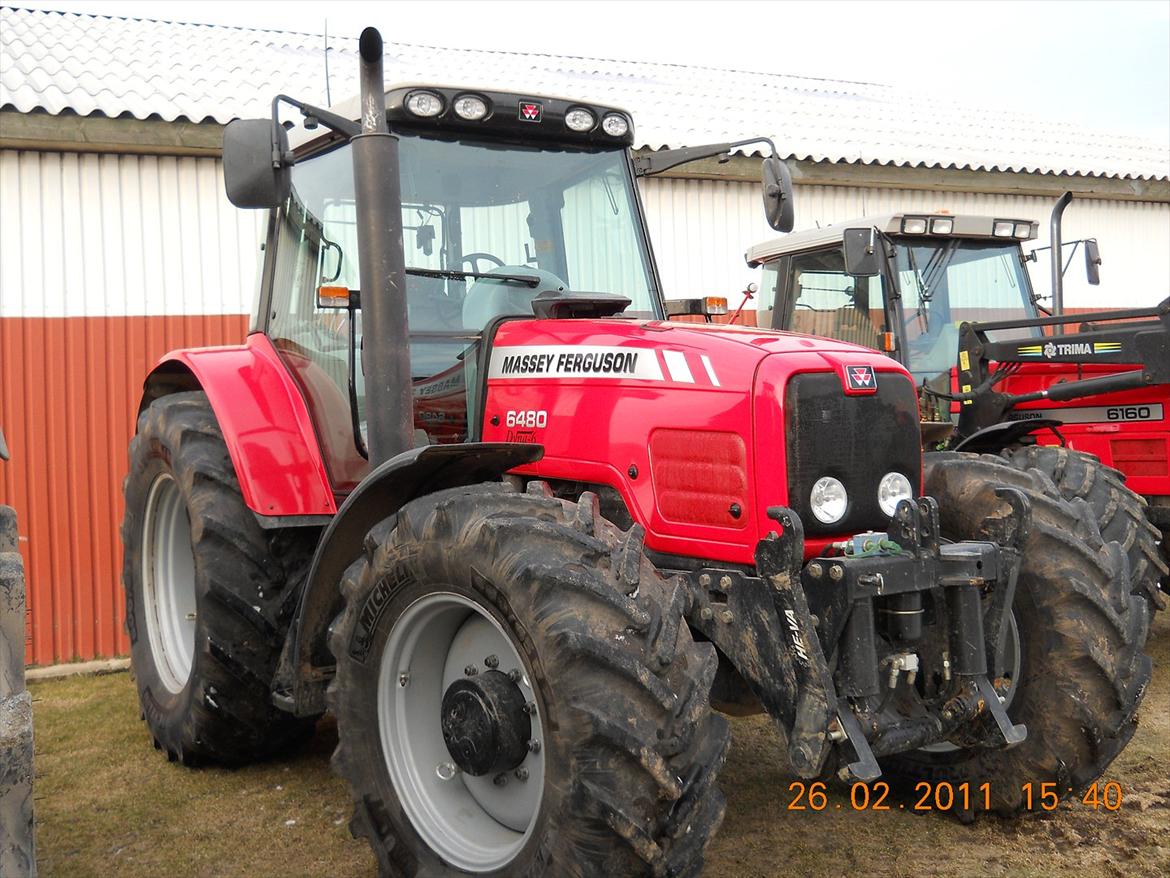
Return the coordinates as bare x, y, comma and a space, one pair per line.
963, 226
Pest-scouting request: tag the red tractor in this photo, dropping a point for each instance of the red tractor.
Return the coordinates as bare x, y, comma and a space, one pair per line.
464, 486
949, 297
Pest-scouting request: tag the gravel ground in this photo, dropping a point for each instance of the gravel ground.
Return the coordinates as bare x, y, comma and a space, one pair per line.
108, 804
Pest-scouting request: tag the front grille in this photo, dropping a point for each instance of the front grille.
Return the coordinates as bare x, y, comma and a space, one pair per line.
857, 439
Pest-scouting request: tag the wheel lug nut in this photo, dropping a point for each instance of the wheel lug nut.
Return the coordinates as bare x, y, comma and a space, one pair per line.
470, 671
534, 746
521, 773
492, 661
446, 770
404, 679
530, 708
514, 675
500, 779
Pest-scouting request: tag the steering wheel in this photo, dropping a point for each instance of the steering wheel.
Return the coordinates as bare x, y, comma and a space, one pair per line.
473, 259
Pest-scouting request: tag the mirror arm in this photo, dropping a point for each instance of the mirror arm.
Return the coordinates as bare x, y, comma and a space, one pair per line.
313, 116
657, 162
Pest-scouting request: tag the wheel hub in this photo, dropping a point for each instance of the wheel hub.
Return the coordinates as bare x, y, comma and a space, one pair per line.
485, 722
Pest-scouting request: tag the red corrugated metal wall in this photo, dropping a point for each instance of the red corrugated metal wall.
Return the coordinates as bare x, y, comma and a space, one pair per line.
69, 390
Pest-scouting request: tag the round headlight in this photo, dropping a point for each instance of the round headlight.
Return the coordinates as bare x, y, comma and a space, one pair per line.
579, 120
615, 125
470, 107
828, 500
893, 489
424, 103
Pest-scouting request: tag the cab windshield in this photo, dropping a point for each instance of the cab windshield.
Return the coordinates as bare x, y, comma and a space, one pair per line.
535, 219
947, 282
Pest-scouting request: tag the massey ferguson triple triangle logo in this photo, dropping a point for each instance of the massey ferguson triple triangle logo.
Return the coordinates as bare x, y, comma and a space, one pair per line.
860, 379
531, 111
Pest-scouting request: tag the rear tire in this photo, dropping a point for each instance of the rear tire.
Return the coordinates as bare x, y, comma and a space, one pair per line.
1118, 511
630, 747
192, 547
1081, 635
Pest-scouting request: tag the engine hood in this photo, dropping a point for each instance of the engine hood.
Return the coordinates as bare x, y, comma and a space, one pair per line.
700, 355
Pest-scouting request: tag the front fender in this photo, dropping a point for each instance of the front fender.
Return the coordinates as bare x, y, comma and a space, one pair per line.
264, 421
307, 664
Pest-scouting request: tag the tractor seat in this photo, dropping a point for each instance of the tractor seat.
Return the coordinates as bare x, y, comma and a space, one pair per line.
489, 299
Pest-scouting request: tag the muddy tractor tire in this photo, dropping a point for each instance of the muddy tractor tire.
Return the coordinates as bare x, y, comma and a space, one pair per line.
1118, 511
209, 593
518, 693
1077, 668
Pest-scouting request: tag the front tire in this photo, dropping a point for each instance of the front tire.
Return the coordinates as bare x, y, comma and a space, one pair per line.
628, 746
1118, 511
1081, 634
209, 593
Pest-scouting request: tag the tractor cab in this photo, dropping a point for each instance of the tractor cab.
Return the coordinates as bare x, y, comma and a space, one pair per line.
503, 200
899, 283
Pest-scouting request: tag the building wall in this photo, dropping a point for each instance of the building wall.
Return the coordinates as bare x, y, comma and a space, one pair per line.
111, 260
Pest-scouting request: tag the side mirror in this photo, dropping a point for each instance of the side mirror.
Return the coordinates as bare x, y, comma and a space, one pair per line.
777, 194
249, 154
1092, 261
861, 258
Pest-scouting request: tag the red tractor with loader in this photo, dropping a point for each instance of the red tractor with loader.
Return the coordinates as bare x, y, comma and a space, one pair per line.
466, 487
1082, 399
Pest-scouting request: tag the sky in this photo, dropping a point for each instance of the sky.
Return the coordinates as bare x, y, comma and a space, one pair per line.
1103, 65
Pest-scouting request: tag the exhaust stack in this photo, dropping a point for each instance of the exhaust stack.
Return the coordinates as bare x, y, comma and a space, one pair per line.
1057, 253
381, 266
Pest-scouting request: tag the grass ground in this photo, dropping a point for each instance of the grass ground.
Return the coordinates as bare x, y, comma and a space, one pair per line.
109, 804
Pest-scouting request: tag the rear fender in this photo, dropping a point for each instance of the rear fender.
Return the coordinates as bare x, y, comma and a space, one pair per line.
265, 424
307, 663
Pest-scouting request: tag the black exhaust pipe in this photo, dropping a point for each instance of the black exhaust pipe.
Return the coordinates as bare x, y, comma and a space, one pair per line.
1057, 253
381, 266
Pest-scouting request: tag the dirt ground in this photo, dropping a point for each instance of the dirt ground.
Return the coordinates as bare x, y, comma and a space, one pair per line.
108, 804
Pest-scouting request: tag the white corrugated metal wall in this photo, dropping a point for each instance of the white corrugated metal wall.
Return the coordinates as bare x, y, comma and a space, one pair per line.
89, 235
700, 229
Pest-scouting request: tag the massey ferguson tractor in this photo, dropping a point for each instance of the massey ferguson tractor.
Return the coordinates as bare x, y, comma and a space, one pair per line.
1087, 408
464, 486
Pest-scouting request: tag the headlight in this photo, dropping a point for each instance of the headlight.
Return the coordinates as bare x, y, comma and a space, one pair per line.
424, 103
1023, 230
828, 500
942, 226
914, 225
470, 107
615, 125
1003, 229
579, 120
893, 489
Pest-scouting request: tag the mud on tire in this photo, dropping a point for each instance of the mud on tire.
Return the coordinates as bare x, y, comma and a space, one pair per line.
245, 582
1118, 511
632, 750
1082, 632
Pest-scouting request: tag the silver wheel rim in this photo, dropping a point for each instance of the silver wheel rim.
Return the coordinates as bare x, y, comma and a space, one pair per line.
1011, 661
472, 823
168, 582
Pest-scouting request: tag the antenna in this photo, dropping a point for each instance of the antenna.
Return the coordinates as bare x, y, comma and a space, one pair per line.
328, 98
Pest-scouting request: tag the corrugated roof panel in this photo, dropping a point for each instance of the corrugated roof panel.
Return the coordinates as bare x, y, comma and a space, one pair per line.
66, 61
